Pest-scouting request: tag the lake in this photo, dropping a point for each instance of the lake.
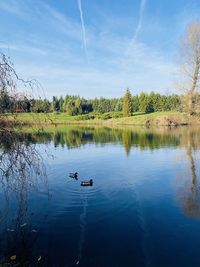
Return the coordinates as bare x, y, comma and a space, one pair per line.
142, 210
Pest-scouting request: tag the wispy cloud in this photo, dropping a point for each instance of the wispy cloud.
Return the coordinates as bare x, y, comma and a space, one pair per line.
144, 69
59, 22
139, 25
83, 26
48, 48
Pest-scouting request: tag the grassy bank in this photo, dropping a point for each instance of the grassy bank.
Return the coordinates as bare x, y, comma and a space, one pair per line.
156, 118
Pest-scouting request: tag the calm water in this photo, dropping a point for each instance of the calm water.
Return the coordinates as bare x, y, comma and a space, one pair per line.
142, 210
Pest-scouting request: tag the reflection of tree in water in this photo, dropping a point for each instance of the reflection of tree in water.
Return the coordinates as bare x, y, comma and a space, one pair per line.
21, 169
186, 137
189, 189
74, 137
20, 166
127, 141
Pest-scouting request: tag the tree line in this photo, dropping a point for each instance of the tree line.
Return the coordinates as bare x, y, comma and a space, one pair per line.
75, 105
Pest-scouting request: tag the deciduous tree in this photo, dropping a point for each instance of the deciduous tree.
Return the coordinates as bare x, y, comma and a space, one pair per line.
190, 67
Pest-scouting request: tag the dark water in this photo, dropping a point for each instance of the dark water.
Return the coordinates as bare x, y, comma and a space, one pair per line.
142, 210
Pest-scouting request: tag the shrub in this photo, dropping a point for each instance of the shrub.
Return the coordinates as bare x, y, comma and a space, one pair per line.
85, 117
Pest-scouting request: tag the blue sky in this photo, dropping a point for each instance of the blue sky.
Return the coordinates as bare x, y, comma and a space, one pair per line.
96, 47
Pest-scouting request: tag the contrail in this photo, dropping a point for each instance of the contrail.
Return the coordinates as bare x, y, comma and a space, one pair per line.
138, 28
83, 26
142, 7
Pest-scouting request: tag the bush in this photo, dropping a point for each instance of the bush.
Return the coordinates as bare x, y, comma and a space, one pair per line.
109, 115
105, 116
116, 115
85, 117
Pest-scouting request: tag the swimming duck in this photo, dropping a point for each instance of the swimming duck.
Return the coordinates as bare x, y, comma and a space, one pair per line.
87, 183
73, 175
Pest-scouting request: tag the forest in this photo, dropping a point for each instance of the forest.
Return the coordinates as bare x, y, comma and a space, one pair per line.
75, 105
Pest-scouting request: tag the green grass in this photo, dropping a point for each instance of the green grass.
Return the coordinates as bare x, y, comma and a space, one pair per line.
112, 118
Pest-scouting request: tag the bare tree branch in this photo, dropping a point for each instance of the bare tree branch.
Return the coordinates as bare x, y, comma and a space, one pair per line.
190, 67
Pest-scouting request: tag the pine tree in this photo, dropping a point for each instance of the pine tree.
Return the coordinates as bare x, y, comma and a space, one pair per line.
78, 105
127, 104
145, 104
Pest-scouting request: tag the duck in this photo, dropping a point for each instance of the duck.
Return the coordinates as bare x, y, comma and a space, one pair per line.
73, 175
87, 183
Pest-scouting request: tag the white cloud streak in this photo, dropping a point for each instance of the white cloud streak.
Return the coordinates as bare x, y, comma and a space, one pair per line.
53, 58
83, 26
139, 25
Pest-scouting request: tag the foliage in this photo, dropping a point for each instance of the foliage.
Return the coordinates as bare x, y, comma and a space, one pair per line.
55, 104
5, 102
145, 103
78, 106
127, 104
105, 116
119, 105
135, 103
153, 102
85, 117
71, 108
40, 106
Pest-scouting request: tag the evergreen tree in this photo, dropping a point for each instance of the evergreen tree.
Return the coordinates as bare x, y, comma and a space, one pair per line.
4, 101
55, 104
78, 105
61, 101
119, 105
127, 104
135, 103
145, 103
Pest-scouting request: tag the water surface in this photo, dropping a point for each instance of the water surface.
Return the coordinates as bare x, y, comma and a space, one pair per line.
142, 210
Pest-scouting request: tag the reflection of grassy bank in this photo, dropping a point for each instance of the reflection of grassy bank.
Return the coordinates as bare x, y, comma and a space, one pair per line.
156, 118
142, 137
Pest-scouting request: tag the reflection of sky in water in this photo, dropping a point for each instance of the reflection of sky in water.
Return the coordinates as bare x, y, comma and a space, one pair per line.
134, 215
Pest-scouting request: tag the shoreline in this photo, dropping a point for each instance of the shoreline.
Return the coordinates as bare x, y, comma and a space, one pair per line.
150, 119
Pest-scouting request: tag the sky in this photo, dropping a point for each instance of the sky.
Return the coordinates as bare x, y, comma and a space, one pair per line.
95, 48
